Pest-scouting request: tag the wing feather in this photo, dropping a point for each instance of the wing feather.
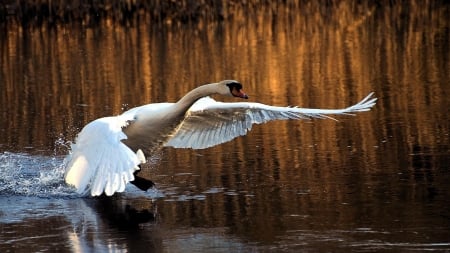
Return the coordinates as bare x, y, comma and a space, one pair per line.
99, 162
209, 123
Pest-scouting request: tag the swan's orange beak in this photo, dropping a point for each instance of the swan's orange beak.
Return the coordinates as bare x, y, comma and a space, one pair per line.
239, 93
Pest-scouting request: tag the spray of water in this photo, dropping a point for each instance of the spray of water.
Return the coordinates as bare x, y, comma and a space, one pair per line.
32, 175
42, 176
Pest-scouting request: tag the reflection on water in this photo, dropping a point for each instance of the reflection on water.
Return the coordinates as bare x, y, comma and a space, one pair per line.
74, 225
378, 181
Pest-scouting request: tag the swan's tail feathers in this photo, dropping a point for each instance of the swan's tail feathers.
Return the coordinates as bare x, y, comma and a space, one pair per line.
140, 155
99, 161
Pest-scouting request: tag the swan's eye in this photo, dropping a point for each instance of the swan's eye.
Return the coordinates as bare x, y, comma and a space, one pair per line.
236, 90
234, 85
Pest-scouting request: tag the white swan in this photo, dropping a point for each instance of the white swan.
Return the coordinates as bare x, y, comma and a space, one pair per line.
108, 151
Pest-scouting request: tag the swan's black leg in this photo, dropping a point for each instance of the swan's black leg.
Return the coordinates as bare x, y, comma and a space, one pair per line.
140, 182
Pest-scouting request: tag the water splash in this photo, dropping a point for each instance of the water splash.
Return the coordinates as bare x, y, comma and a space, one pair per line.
43, 176
62, 146
33, 175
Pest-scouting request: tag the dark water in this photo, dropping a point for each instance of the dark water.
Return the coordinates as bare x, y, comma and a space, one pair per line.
376, 182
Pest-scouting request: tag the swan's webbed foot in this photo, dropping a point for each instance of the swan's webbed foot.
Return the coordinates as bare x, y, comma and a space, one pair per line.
142, 183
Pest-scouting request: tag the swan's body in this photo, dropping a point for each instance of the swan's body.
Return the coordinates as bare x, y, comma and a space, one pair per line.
108, 151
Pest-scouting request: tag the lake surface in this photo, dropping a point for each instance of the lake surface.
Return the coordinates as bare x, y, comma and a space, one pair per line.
379, 181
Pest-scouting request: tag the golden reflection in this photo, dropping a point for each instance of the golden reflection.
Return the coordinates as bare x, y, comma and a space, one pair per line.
55, 80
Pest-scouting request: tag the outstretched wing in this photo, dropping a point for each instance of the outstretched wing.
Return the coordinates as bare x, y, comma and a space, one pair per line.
99, 161
209, 123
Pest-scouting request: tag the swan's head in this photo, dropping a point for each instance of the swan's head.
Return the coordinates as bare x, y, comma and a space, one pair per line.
231, 88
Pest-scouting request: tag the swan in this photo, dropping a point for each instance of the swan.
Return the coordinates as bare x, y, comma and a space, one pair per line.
108, 152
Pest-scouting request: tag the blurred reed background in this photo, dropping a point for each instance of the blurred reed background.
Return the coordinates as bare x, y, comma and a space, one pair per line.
295, 50
89, 12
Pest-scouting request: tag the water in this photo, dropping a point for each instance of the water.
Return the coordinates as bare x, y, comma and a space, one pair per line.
374, 182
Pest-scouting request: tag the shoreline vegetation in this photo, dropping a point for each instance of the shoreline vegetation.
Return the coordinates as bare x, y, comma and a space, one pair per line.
90, 12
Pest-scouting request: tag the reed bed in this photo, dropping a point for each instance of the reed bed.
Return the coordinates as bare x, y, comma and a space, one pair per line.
37, 12
91, 12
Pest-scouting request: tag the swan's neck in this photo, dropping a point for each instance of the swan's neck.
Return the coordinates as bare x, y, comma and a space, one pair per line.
155, 127
191, 97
